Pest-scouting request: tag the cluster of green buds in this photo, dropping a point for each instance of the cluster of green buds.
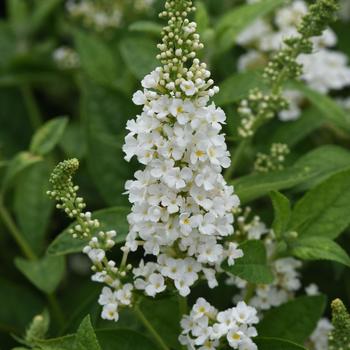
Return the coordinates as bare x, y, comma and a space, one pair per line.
65, 194
273, 161
339, 338
262, 105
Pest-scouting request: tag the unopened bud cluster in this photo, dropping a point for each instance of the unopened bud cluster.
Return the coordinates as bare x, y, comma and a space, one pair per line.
273, 161
256, 109
339, 338
182, 74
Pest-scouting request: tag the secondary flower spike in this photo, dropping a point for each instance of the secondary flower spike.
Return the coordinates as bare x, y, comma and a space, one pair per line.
181, 204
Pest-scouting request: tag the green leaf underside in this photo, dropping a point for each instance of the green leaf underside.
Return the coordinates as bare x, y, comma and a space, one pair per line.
319, 248
310, 168
45, 274
294, 320
110, 219
252, 267
324, 211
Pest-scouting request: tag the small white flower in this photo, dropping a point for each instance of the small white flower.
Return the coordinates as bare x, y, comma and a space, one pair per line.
155, 284
110, 312
107, 296
188, 88
233, 253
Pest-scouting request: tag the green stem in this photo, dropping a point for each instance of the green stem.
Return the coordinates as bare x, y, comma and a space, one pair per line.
32, 107
236, 159
250, 290
150, 328
56, 309
16, 234
183, 306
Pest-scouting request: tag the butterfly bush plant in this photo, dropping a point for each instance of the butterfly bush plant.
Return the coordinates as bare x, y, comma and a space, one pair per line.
198, 249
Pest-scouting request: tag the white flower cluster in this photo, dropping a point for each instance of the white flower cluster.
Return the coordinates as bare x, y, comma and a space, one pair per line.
324, 70
96, 14
182, 206
319, 337
105, 14
207, 329
287, 277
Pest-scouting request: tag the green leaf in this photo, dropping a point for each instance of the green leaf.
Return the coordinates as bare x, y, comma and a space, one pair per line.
254, 186
109, 339
124, 339
282, 210
86, 337
98, 61
18, 164
202, 17
73, 141
139, 55
146, 27
42, 11
294, 320
324, 211
235, 21
20, 306
294, 132
105, 114
45, 274
330, 110
15, 130
252, 267
319, 248
276, 344
110, 219
66, 342
315, 166
32, 206
18, 11
47, 137
157, 312
326, 161
237, 86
